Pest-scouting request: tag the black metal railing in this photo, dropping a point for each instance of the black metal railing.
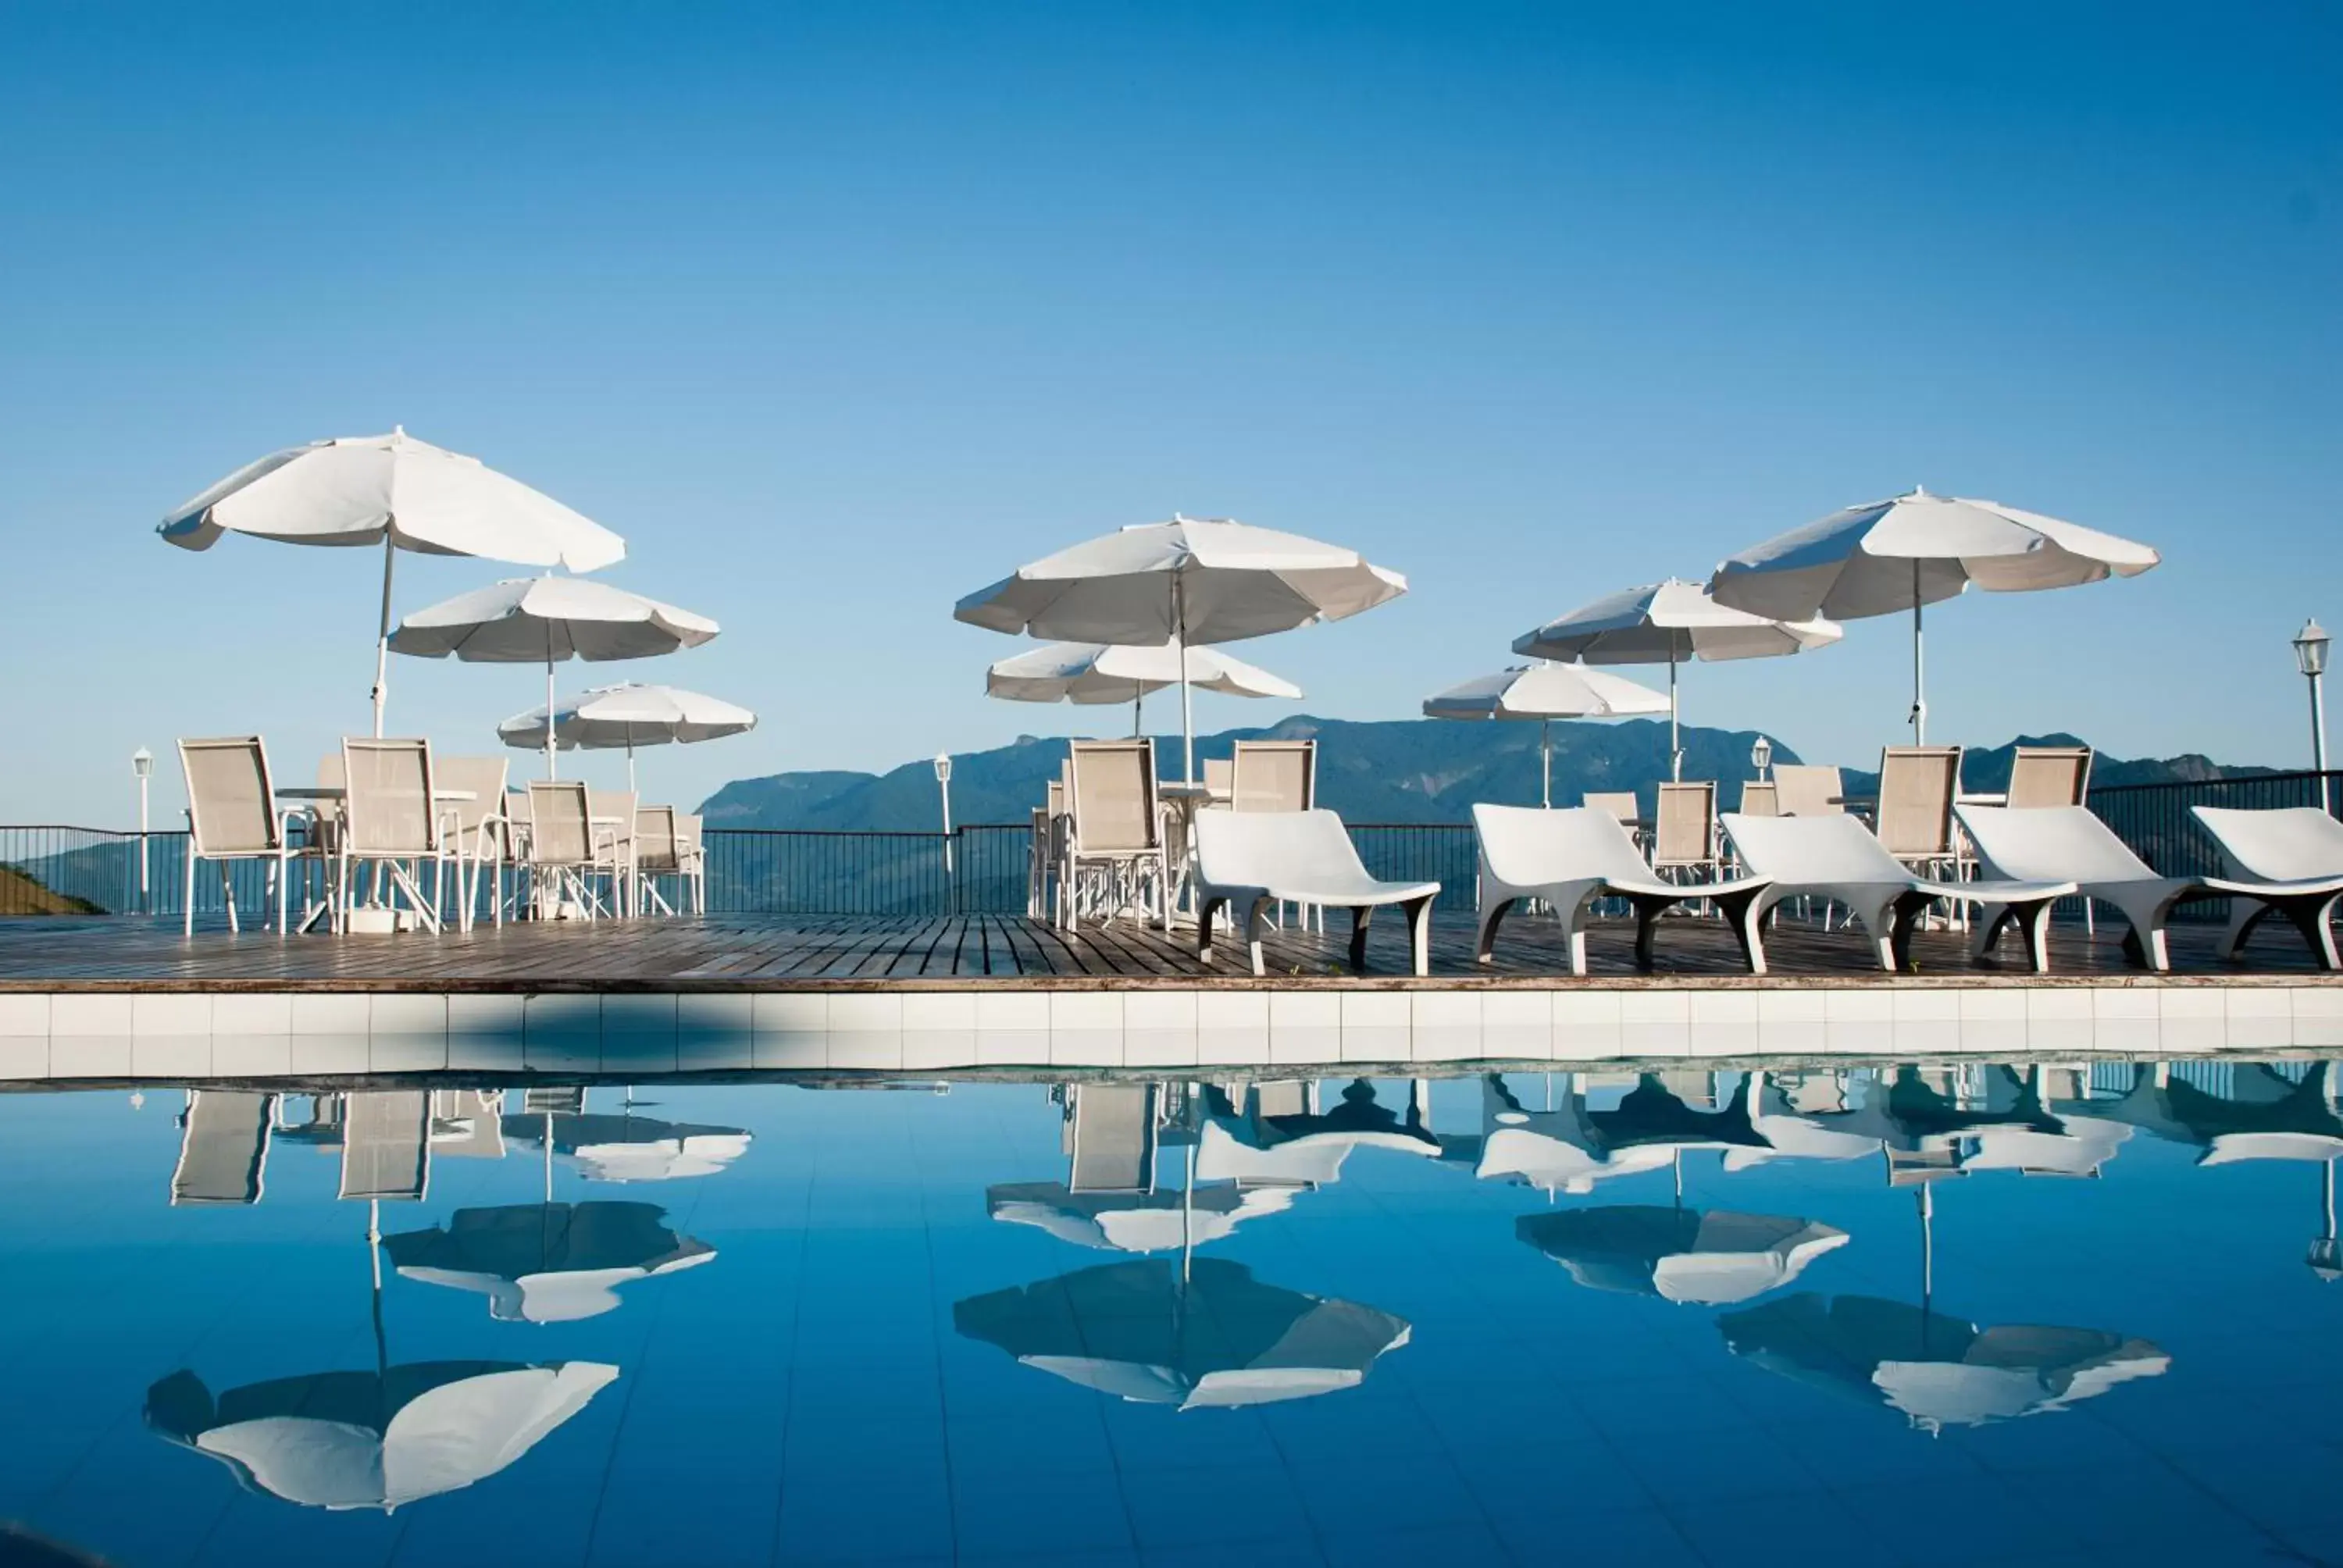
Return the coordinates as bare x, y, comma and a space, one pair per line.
978, 868
2154, 820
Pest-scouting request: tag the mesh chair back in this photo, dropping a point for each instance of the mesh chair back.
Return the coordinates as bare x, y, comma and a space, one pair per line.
1113, 1138
390, 810
1620, 803
1684, 832
481, 778
1759, 800
2049, 776
1808, 789
655, 839
559, 832
231, 805
1220, 778
1114, 796
1916, 787
619, 806
686, 833
1273, 776
1054, 803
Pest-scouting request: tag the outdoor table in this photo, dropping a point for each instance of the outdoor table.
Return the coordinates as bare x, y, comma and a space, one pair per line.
1182, 801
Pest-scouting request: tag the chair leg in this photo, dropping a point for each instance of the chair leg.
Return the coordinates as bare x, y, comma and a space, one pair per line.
1419, 935
1746, 913
1485, 938
1253, 923
1648, 909
1205, 909
187, 906
2312, 917
1359, 919
2245, 914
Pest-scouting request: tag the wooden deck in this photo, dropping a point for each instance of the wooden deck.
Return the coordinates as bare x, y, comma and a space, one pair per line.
777, 953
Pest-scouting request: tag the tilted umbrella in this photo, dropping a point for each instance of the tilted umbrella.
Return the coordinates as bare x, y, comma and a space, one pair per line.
1189, 581
402, 494
1713, 1258
1666, 623
547, 1262
612, 718
1544, 692
1088, 673
347, 1440
1939, 1370
1883, 557
1211, 1334
525, 619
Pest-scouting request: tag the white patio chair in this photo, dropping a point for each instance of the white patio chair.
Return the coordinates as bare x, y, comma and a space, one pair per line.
1273, 776
657, 854
566, 852
2297, 851
1219, 780
223, 1147
1808, 789
1248, 859
1913, 818
1683, 831
386, 1145
2069, 843
1760, 798
614, 818
391, 820
1116, 858
476, 830
691, 854
1836, 858
232, 816
2048, 776
1570, 858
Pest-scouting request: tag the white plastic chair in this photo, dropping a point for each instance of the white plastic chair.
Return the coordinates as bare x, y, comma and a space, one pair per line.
2069, 843
476, 830
2297, 852
1116, 857
614, 825
1248, 859
1836, 858
566, 852
1570, 858
391, 820
232, 816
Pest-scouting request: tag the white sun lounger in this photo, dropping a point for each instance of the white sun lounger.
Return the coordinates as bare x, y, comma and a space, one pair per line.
2296, 854
2053, 842
1835, 856
1570, 858
1251, 859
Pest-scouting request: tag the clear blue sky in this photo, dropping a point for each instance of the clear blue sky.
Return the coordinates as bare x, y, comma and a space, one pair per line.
838, 312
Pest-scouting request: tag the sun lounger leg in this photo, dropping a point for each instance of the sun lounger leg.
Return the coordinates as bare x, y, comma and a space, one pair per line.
2245, 914
1741, 911
1648, 909
2311, 915
1986, 932
1419, 934
1359, 919
1486, 938
1205, 908
1901, 917
2033, 922
1256, 917
2142, 941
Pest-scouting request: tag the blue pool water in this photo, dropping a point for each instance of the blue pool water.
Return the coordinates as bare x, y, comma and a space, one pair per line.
1961, 1315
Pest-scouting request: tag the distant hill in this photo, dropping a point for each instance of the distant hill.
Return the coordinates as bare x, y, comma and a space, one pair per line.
1397, 770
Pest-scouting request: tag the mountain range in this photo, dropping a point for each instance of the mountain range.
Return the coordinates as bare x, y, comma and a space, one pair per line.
1392, 770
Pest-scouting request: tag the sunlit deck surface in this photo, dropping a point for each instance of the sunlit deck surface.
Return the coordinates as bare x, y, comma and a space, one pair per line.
793, 953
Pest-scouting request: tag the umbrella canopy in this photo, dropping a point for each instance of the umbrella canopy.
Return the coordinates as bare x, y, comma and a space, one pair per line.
1090, 673
1939, 1370
524, 620
631, 1148
1665, 623
1134, 1221
400, 493
1899, 554
547, 1262
1188, 581
1219, 1337
1714, 1259
1544, 692
623, 717
376, 1439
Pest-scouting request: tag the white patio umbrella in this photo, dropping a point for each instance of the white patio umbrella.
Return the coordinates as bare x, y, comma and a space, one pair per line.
1210, 1335
611, 718
524, 619
1666, 623
401, 493
630, 1148
1886, 556
1714, 1258
1545, 692
1190, 581
1163, 1222
547, 1262
350, 1440
1089, 673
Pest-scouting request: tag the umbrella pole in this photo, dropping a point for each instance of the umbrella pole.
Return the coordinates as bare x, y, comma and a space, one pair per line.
382, 636
1919, 668
1137, 702
373, 1256
630, 760
1187, 710
1546, 762
549, 705
1675, 740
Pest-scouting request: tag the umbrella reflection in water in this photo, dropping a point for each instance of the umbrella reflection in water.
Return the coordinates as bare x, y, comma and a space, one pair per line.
547, 1262
1712, 1258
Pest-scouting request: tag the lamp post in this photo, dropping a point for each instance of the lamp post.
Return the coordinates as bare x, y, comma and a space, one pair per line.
1761, 757
943, 785
2310, 657
142, 766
